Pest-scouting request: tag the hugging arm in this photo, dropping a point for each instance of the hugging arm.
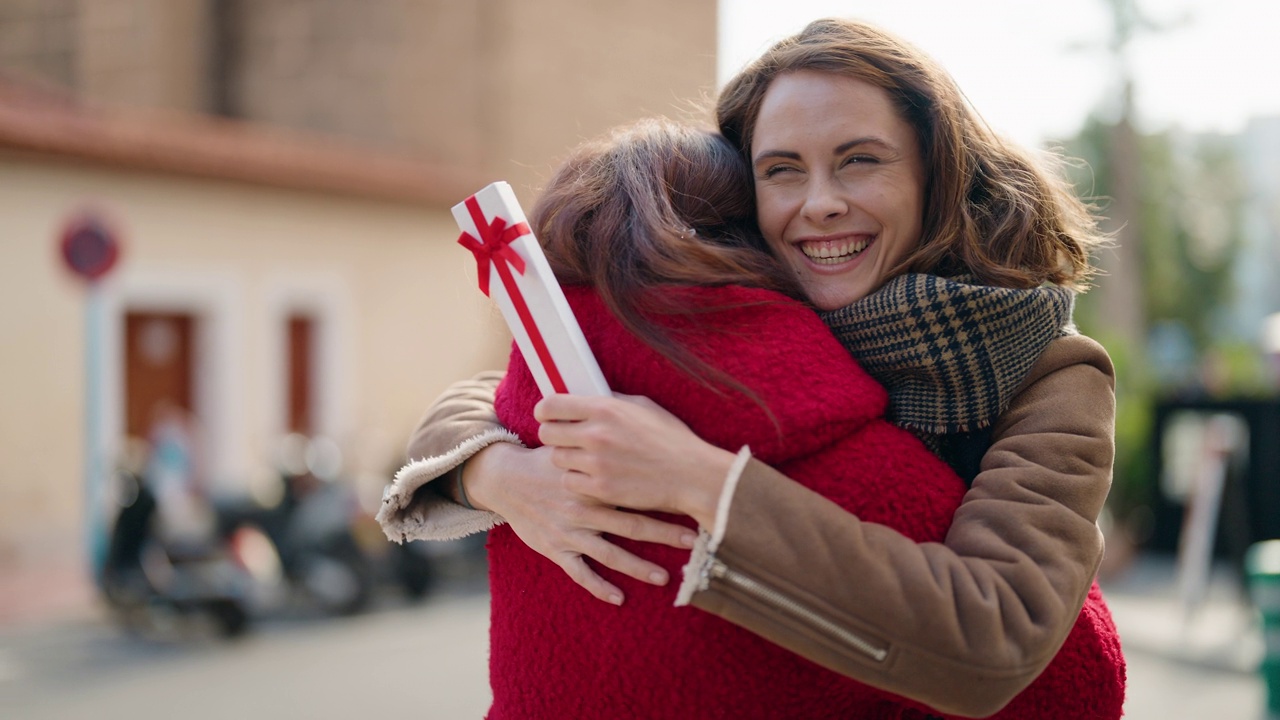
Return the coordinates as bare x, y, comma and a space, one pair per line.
419, 504
507, 482
962, 625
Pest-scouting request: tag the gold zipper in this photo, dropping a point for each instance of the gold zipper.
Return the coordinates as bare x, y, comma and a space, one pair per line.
769, 596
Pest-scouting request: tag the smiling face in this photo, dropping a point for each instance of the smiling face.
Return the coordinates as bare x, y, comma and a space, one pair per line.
839, 183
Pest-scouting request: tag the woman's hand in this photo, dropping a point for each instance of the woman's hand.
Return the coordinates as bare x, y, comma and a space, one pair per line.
526, 489
626, 451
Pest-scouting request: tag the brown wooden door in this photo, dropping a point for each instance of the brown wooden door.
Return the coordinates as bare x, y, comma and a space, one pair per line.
301, 370
159, 366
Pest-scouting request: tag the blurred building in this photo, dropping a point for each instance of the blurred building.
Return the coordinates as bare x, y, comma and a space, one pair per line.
499, 86
279, 175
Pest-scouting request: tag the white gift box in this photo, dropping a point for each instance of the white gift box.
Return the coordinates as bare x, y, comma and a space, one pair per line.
530, 298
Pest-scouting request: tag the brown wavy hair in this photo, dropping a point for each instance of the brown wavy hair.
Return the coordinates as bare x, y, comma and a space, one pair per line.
646, 209
991, 209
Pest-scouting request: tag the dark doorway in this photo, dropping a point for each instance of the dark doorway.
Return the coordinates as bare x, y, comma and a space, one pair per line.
301, 372
159, 366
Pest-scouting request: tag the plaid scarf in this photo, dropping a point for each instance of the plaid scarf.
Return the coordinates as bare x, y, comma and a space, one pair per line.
951, 353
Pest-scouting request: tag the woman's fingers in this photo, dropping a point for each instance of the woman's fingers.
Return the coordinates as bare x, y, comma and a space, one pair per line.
575, 460
577, 569
566, 547
566, 408
560, 434
627, 451
643, 528
615, 558
619, 523
530, 492
599, 520
608, 554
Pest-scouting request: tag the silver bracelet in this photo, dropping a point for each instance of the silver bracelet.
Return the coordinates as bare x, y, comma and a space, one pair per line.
462, 490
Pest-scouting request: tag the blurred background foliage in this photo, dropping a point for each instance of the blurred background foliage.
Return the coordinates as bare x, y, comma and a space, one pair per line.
1189, 233
1181, 301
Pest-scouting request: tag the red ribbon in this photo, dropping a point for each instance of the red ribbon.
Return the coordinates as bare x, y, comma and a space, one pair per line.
494, 245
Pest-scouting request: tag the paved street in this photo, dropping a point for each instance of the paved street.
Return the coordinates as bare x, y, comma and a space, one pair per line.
408, 662
384, 664
1182, 668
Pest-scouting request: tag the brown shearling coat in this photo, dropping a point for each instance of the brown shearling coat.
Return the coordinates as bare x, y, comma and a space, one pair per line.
962, 625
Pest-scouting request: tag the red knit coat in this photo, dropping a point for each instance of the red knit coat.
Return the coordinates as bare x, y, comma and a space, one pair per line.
557, 652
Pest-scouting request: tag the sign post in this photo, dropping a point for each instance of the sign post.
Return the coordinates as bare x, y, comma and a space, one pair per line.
89, 249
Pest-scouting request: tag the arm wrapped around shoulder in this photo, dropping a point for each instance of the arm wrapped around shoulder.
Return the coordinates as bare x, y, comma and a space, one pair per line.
459, 424
964, 626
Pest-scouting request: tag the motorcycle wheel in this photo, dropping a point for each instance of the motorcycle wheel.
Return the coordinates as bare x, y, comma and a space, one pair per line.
339, 579
229, 618
414, 571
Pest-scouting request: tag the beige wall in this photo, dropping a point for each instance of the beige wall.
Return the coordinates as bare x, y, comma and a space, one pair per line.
41, 426
388, 280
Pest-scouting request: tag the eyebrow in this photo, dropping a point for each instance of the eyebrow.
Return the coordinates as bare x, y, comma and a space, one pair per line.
842, 148
870, 140
784, 154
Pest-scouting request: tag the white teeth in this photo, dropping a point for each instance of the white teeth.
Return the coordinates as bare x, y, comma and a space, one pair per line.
830, 253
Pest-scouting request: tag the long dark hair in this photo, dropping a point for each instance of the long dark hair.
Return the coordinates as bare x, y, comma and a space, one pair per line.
651, 207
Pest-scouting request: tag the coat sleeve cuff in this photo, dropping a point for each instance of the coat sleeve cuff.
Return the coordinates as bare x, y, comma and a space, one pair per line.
696, 571
411, 511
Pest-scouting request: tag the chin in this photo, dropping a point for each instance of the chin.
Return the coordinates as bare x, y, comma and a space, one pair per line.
828, 301
832, 292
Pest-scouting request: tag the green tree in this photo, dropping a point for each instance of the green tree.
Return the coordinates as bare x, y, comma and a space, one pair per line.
1189, 228
1187, 231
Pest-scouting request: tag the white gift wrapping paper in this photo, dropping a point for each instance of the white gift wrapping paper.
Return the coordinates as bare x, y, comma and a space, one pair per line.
541, 292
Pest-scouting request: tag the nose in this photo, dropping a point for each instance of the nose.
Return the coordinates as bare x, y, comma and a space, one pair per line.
823, 202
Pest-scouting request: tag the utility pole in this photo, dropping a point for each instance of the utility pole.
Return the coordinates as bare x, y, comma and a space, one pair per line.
1121, 287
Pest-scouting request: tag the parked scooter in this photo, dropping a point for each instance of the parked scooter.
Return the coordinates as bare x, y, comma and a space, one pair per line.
307, 520
153, 585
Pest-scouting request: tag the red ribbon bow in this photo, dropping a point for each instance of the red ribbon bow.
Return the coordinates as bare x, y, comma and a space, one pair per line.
494, 245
